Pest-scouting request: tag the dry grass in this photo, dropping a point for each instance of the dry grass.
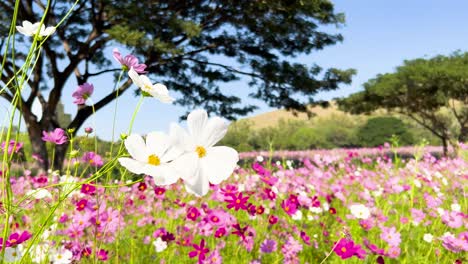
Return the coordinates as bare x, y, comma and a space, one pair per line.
271, 118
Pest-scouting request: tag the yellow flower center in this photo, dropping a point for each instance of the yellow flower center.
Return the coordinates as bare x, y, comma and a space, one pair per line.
201, 151
148, 88
154, 160
343, 249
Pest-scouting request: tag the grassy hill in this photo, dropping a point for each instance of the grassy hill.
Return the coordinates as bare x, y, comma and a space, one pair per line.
272, 118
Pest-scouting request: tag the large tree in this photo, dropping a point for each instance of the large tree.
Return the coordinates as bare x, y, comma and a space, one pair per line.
433, 92
193, 46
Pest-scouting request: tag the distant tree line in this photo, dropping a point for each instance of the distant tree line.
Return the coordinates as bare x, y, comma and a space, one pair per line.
334, 131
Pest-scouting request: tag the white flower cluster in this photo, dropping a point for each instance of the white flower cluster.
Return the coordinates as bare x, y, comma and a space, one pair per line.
190, 155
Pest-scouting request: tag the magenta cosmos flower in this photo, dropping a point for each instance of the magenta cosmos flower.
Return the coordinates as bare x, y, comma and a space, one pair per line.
16, 238
345, 248
200, 251
129, 62
82, 93
57, 136
237, 202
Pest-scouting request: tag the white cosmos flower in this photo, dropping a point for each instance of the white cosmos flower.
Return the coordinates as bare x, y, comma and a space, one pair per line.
13, 254
297, 215
455, 207
30, 29
159, 245
157, 90
427, 238
360, 211
153, 157
39, 193
40, 252
62, 256
203, 163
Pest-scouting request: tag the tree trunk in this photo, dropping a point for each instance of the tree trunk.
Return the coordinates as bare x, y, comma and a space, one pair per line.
60, 155
39, 147
445, 146
455, 147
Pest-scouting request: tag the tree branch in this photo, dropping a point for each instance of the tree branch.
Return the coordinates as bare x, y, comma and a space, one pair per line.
229, 68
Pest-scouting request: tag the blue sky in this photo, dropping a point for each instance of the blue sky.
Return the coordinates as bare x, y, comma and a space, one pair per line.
378, 36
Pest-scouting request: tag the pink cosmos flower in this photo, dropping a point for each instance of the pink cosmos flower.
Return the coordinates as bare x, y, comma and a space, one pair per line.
393, 252
289, 206
366, 224
391, 236
229, 190
214, 258
220, 232
129, 62
88, 130
81, 205
93, 159
268, 246
200, 251
82, 93
159, 192
57, 136
454, 244
290, 250
417, 215
193, 213
13, 146
272, 219
453, 219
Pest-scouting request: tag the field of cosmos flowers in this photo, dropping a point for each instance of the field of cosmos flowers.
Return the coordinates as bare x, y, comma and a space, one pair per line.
180, 198
323, 208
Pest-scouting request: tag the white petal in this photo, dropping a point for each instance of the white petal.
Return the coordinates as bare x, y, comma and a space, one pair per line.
180, 138
164, 174
132, 165
48, 31
27, 24
214, 131
187, 167
164, 98
157, 143
23, 31
196, 122
160, 88
145, 82
200, 187
135, 77
219, 163
136, 147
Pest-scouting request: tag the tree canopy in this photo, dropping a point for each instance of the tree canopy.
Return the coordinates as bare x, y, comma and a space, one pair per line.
191, 46
432, 91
